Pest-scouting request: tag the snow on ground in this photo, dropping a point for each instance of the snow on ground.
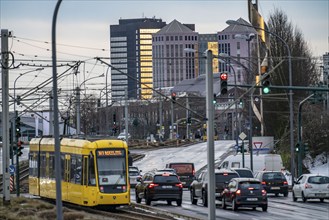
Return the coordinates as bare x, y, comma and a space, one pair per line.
318, 165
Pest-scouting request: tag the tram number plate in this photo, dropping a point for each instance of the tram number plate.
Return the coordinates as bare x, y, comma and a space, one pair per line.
167, 187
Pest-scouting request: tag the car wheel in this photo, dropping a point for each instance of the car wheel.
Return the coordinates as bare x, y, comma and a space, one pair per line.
204, 199
322, 200
168, 202
138, 200
303, 197
264, 208
294, 198
285, 194
179, 202
234, 205
223, 203
193, 200
254, 208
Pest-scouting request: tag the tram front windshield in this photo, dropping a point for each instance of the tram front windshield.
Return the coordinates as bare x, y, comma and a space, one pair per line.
111, 166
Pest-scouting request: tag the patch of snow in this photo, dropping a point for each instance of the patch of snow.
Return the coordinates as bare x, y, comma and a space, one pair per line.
318, 165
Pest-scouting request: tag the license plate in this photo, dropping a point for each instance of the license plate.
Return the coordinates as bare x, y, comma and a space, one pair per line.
217, 194
252, 199
167, 187
183, 182
320, 194
275, 188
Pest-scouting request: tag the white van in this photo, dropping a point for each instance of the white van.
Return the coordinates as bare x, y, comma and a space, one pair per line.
261, 162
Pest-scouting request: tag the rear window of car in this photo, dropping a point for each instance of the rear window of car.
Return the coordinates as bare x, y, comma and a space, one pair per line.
225, 177
274, 176
133, 173
245, 173
182, 168
250, 184
318, 179
166, 179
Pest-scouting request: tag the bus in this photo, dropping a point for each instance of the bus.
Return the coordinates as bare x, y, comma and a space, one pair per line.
93, 173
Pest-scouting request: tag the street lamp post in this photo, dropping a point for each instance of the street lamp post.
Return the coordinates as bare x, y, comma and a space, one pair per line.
291, 113
210, 137
78, 102
248, 38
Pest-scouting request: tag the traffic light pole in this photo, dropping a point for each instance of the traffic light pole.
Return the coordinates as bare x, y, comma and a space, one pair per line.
300, 159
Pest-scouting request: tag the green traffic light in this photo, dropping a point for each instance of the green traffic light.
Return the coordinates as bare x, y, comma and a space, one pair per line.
266, 90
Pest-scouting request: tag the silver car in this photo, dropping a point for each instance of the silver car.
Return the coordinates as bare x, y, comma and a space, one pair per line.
134, 173
311, 186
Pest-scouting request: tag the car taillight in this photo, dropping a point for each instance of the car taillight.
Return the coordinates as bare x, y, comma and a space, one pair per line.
238, 192
179, 185
263, 183
285, 183
308, 186
152, 185
263, 192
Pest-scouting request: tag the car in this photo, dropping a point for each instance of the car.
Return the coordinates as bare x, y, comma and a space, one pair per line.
244, 172
244, 192
273, 182
311, 186
199, 187
185, 171
134, 174
122, 136
155, 186
167, 170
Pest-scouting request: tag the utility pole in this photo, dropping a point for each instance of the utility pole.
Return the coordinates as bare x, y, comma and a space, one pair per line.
187, 118
5, 114
78, 109
126, 114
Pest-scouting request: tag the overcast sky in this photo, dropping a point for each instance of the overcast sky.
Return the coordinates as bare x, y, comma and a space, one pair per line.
84, 24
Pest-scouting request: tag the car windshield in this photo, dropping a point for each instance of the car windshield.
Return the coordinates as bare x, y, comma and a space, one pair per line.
225, 177
273, 176
245, 173
133, 173
319, 179
250, 184
166, 179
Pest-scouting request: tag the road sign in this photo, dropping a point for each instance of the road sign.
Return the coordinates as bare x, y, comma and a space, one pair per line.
242, 136
258, 145
12, 169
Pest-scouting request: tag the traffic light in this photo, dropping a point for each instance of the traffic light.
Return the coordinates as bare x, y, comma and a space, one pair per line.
19, 148
297, 148
114, 118
266, 84
223, 83
18, 127
173, 97
214, 100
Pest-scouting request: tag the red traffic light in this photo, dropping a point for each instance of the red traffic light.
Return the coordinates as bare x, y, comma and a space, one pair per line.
223, 76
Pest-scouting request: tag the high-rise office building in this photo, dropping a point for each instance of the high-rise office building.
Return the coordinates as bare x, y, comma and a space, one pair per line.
171, 63
208, 42
131, 57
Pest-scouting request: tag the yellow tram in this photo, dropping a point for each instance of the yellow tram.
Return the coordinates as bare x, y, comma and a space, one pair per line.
93, 173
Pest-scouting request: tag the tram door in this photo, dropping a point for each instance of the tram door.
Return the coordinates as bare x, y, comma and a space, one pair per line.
66, 178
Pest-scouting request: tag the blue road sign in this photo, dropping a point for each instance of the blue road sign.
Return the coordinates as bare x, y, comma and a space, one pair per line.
12, 169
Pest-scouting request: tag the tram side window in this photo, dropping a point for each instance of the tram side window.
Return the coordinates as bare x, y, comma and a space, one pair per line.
33, 166
43, 165
91, 174
76, 163
51, 166
62, 165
